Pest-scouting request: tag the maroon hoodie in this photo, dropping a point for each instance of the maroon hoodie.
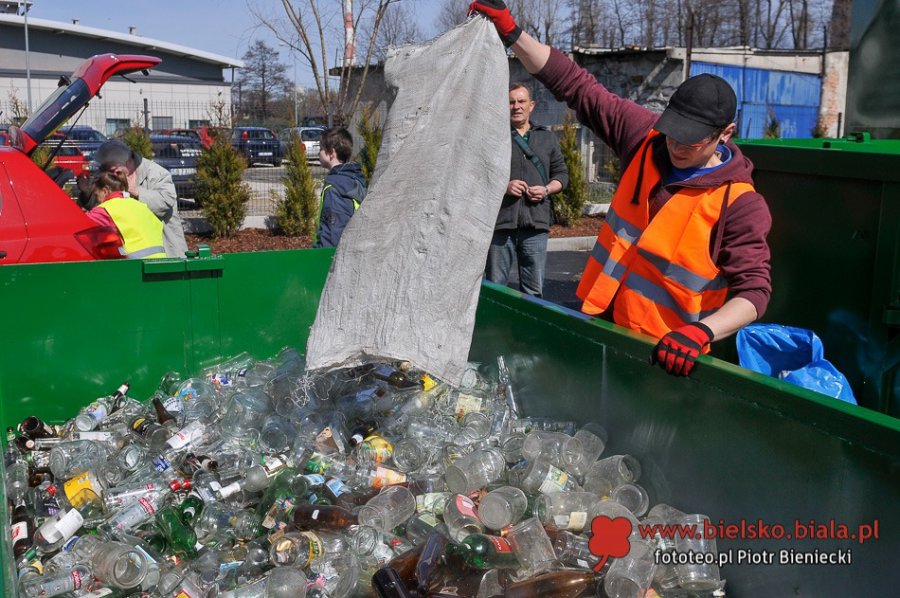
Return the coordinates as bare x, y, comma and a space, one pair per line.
738, 245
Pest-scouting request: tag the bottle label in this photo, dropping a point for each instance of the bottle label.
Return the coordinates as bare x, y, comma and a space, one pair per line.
76, 579
147, 506
429, 519
186, 435
337, 487
81, 489
160, 463
465, 506
316, 547
431, 502
97, 411
428, 382
466, 403
173, 404
272, 465
230, 489
555, 481
386, 477
69, 523
19, 531
501, 545
93, 435
577, 519
377, 448
315, 479
140, 425
328, 440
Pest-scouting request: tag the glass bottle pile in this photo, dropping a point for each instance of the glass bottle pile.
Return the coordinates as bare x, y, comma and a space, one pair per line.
255, 478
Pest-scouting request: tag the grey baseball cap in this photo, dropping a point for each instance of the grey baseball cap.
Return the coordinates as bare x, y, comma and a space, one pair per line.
114, 153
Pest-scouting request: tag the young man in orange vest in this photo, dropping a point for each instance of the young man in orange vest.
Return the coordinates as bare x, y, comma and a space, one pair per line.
682, 255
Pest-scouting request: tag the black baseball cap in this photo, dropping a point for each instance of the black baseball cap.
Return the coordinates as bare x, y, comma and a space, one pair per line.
113, 153
700, 106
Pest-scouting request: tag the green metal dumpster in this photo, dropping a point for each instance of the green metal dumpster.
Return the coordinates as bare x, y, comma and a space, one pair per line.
747, 450
835, 243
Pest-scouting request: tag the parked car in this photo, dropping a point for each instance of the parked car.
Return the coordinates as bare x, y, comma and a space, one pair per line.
178, 155
187, 133
39, 222
86, 138
310, 136
257, 145
66, 154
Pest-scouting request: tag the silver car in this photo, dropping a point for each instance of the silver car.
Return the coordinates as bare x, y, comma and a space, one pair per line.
310, 137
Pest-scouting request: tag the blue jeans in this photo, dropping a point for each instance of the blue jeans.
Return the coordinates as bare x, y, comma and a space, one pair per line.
529, 247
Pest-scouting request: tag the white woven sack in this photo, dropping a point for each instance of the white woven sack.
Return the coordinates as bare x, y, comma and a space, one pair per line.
405, 279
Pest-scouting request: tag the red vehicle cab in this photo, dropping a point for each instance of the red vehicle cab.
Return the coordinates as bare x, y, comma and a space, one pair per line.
39, 222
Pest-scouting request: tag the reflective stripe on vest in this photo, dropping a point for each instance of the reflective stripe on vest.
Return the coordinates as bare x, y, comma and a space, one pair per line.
141, 230
656, 275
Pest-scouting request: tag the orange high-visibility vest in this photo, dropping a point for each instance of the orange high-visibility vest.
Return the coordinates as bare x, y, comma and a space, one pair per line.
658, 275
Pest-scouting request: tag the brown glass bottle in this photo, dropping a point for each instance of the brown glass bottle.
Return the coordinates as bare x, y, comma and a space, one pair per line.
21, 529
387, 583
560, 584
405, 564
308, 516
35, 427
163, 416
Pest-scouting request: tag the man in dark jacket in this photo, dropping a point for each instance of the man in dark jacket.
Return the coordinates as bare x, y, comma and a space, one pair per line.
537, 170
344, 187
682, 255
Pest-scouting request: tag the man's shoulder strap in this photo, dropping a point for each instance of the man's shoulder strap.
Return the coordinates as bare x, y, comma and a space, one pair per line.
531, 156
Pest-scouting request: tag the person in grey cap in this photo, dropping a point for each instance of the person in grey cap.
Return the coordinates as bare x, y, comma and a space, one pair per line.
682, 255
151, 184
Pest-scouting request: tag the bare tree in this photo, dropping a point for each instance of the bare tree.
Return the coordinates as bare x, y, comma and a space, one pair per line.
451, 14
314, 29
398, 28
262, 80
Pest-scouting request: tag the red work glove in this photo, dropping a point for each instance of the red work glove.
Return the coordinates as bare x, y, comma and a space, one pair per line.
677, 351
499, 14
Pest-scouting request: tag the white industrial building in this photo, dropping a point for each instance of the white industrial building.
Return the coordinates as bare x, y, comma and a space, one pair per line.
183, 91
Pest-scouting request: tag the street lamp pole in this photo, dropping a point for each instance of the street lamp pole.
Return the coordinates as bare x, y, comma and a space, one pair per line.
27, 4
296, 110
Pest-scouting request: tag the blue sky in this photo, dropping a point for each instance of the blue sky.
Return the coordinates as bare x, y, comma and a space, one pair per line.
224, 27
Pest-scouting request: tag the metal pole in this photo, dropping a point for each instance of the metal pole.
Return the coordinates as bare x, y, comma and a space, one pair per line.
27, 58
296, 116
146, 115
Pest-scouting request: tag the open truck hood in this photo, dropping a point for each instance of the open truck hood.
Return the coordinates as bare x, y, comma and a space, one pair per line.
83, 85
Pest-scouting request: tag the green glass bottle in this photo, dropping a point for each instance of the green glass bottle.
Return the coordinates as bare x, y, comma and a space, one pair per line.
179, 537
190, 508
483, 551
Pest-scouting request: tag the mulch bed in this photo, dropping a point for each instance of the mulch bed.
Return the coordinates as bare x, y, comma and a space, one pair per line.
258, 239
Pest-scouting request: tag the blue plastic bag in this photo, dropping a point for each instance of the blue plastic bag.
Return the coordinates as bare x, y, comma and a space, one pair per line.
794, 355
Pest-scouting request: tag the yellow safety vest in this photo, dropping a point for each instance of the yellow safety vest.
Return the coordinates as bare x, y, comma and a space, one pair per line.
141, 230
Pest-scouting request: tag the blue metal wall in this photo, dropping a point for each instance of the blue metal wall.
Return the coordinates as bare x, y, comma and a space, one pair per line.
793, 97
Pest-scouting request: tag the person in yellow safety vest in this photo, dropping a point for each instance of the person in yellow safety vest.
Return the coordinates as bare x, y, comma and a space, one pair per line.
140, 229
682, 255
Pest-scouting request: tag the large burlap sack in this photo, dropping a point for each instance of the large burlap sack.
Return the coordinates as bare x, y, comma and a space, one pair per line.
405, 279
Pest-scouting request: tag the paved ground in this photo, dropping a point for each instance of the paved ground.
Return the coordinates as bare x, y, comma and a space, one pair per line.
561, 277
